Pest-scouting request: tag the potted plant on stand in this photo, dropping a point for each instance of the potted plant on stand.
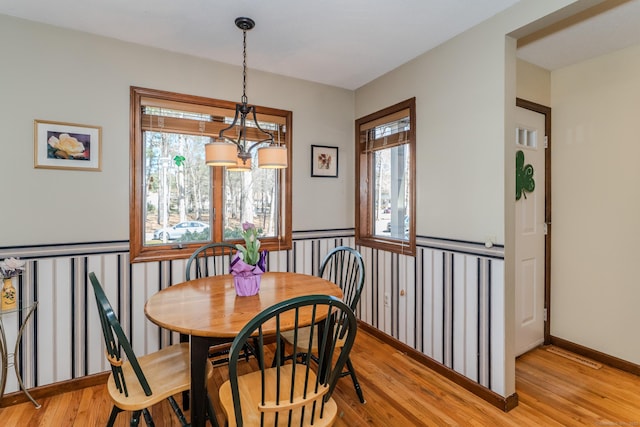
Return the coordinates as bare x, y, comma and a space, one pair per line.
249, 263
9, 268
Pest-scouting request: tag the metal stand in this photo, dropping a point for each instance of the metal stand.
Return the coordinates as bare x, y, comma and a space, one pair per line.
30, 308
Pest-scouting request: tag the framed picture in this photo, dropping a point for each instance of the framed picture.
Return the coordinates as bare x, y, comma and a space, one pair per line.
324, 161
67, 146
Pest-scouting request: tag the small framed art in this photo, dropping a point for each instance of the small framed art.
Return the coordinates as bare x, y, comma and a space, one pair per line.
67, 146
324, 161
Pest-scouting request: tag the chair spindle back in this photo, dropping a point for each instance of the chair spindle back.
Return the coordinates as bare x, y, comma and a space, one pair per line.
212, 259
294, 393
116, 341
344, 267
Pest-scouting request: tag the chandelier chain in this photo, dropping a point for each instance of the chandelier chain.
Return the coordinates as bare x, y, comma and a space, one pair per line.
229, 150
244, 66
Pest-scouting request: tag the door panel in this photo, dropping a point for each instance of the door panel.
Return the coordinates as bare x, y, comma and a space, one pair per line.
530, 238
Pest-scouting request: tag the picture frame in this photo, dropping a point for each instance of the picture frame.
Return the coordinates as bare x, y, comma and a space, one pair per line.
324, 161
69, 146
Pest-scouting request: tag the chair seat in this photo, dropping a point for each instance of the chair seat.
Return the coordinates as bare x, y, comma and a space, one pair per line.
249, 387
167, 372
303, 339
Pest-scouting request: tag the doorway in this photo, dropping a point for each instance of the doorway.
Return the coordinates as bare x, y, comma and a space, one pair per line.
533, 226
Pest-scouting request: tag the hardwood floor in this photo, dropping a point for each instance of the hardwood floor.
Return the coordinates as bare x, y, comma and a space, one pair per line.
553, 391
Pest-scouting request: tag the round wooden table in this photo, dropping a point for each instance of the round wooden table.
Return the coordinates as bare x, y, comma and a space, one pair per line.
209, 311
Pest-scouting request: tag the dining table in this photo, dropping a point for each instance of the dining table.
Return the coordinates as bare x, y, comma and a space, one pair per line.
210, 313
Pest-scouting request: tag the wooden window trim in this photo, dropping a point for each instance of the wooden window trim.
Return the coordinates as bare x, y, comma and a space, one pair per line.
364, 183
141, 253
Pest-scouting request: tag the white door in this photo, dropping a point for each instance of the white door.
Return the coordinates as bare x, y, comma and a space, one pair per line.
530, 232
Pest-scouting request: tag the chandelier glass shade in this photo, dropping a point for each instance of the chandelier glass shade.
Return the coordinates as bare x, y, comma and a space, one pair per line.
235, 153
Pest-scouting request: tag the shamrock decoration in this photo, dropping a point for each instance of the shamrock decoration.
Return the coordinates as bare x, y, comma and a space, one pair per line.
179, 160
524, 177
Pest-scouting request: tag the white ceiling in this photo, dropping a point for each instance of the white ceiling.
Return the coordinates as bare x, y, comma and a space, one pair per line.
337, 42
344, 43
610, 30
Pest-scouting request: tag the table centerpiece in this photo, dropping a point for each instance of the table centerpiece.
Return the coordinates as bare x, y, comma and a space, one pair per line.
249, 262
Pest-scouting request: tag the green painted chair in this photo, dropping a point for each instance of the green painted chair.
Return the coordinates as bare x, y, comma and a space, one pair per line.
137, 383
293, 393
211, 259
343, 266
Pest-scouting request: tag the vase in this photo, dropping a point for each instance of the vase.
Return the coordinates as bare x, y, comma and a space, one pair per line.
8, 294
247, 285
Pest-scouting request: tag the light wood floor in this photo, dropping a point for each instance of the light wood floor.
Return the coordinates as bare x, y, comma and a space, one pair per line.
553, 391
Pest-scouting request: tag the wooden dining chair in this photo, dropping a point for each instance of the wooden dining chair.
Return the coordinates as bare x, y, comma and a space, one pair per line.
211, 259
293, 393
343, 266
137, 383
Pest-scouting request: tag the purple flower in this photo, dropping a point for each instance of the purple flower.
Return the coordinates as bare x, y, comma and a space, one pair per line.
247, 226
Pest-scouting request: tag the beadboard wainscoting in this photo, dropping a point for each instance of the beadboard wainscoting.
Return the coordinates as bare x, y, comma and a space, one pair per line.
447, 303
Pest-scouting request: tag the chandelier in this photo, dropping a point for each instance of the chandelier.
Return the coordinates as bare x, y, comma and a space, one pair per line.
235, 153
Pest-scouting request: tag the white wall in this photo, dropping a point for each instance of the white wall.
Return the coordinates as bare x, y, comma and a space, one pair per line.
460, 102
533, 83
459, 148
54, 74
465, 95
596, 203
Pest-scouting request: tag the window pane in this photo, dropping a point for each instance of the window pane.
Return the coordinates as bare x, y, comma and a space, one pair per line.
385, 179
178, 202
177, 189
391, 192
251, 197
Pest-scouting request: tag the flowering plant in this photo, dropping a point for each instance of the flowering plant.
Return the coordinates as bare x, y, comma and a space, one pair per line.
250, 253
11, 267
249, 263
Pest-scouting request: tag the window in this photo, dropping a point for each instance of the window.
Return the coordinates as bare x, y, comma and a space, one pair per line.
178, 203
385, 178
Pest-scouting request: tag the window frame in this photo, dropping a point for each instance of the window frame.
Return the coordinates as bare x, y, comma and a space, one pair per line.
364, 231
141, 253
